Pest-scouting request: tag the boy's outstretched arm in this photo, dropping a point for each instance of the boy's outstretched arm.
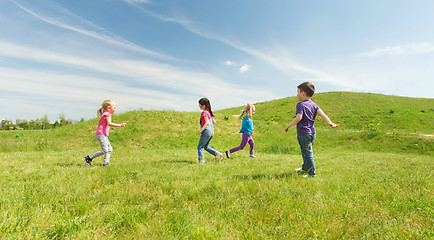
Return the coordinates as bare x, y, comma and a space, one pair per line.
294, 121
326, 118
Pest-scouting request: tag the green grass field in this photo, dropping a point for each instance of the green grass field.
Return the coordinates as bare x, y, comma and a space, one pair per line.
374, 176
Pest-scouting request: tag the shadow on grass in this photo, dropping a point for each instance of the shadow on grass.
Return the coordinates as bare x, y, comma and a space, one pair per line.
266, 176
65, 164
178, 161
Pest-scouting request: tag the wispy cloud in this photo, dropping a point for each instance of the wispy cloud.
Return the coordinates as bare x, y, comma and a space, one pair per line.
75, 87
278, 59
104, 35
136, 83
408, 49
44, 92
156, 15
144, 72
126, 79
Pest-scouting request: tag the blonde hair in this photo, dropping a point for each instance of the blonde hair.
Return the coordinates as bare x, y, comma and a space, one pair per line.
106, 104
245, 110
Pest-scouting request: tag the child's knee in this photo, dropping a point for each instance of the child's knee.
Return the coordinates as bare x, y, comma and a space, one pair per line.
107, 150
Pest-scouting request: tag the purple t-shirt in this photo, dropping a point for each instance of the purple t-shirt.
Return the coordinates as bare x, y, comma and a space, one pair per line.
308, 110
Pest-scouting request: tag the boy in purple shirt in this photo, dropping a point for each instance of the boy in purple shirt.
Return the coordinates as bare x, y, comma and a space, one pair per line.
306, 113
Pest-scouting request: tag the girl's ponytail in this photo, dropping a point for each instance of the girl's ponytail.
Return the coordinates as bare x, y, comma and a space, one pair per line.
106, 104
209, 109
245, 110
99, 112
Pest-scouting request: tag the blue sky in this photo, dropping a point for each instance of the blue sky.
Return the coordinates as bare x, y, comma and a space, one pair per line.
68, 56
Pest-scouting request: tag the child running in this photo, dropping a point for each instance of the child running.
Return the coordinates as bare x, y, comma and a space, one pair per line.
306, 112
246, 130
206, 132
108, 107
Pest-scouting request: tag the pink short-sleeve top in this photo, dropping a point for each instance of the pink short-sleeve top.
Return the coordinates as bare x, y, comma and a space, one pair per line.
203, 115
103, 128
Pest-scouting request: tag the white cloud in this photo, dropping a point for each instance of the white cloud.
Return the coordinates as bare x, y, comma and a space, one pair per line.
244, 68
230, 63
414, 48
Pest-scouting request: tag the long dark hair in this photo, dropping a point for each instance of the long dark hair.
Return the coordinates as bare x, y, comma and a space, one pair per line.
207, 104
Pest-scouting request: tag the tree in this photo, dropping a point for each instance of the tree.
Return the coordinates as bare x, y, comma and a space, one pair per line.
45, 122
62, 119
24, 125
56, 124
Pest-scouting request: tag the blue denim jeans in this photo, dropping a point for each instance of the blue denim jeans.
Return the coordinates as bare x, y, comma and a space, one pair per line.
306, 143
205, 139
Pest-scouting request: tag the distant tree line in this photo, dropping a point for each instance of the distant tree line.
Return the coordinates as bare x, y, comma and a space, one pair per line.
41, 123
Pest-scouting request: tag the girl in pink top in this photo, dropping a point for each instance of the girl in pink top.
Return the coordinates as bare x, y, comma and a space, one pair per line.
108, 107
206, 131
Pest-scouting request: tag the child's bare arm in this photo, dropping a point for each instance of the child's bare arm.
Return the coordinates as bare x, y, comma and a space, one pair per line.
326, 118
294, 121
204, 126
109, 122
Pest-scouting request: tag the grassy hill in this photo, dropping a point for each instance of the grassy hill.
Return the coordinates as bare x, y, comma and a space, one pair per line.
374, 176
367, 122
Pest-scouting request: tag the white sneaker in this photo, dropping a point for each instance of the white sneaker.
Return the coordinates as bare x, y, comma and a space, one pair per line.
252, 155
219, 156
309, 176
300, 170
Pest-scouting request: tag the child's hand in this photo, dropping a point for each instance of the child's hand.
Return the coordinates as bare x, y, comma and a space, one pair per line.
333, 125
198, 133
123, 124
286, 128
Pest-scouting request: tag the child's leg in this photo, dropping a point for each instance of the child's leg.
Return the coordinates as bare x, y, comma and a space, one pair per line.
306, 145
200, 146
205, 139
242, 145
109, 152
252, 144
104, 146
210, 149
